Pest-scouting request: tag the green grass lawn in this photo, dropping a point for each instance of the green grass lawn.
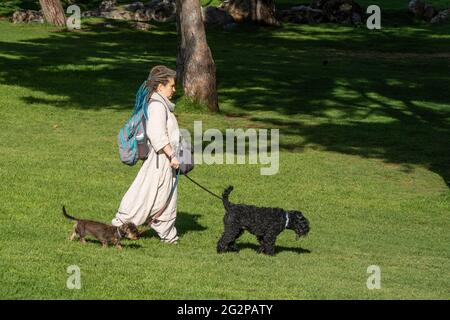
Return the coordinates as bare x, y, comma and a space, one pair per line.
365, 149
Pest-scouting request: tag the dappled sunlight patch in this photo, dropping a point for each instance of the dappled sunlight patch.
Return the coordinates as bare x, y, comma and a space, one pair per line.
438, 108
389, 56
76, 68
343, 90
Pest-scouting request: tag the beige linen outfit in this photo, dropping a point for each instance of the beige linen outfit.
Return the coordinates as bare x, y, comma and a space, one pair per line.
151, 188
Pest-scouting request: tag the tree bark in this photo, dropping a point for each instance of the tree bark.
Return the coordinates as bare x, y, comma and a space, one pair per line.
53, 12
261, 11
195, 65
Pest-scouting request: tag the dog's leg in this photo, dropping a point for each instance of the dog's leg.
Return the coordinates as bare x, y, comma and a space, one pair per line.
105, 244
74, 232
73, 236
261, 244
82, 239
116, 242
228, 238
81, 232
232, 246
269, 244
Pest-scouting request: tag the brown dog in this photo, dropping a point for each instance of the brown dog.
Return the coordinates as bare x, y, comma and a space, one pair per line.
104, 233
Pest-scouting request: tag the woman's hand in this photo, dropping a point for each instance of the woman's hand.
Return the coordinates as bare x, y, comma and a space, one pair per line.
174, 163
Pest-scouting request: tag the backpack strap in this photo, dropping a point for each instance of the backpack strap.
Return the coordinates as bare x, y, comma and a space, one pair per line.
154, 100
167, 117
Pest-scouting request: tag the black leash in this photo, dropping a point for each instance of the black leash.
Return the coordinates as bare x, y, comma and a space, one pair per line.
212, 193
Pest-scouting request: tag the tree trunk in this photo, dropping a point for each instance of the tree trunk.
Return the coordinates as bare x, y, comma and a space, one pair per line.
195, 65
261, 11
53, 12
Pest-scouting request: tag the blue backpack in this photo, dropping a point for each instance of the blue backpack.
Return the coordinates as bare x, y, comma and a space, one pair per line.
132, 139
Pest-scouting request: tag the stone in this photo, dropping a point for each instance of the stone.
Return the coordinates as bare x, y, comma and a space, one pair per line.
216, 16
429, 12
417, 8
300, 14
134, 6
356, 18
141, 26
107, 5
442, 16
152, 4
238, 9
139, 15
165, 11
338, 11
27, 16
91, 13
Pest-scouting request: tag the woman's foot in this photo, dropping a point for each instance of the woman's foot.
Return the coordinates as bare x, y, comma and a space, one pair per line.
173, 241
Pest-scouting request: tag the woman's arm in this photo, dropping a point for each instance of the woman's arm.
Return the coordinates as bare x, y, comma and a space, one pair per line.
157, 132
174, 163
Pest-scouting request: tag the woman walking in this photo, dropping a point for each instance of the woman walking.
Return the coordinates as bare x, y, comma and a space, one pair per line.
152, 187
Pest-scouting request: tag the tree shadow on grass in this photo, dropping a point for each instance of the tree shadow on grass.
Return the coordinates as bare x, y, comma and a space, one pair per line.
278, 249
93, 69
415, 133
374, 94
126, 244
185, 223
377, 95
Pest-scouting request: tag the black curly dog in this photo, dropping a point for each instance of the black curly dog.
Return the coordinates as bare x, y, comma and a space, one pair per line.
265, 223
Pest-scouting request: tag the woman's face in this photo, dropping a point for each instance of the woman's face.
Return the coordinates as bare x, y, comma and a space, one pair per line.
168, 89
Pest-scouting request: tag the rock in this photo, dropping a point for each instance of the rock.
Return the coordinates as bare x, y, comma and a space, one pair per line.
165, 11
429, 12
118, 14
284, 15
345, 7
341, 11
28, 16
417, 8
216, 16
338, 11
442, 16
317, 4
424, 11
160, 10
91, 13
356, 18
140, 15
300, 14
238, 9
230, 26
152, 4
134, 6
305, 14
141, 26
107, 5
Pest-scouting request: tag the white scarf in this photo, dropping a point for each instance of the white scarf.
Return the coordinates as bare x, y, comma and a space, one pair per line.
163, 99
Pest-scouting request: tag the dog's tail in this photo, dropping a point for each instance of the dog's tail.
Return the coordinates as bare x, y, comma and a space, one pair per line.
225, 195
66, 215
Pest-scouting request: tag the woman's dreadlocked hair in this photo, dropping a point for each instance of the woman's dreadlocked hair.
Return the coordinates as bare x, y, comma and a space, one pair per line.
159, 75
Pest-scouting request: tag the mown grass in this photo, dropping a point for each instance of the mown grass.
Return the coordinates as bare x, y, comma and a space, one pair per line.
365, 139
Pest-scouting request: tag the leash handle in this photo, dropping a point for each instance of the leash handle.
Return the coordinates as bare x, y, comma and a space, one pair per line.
160, 212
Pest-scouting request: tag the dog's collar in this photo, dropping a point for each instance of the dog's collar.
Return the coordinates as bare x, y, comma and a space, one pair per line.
287, 219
